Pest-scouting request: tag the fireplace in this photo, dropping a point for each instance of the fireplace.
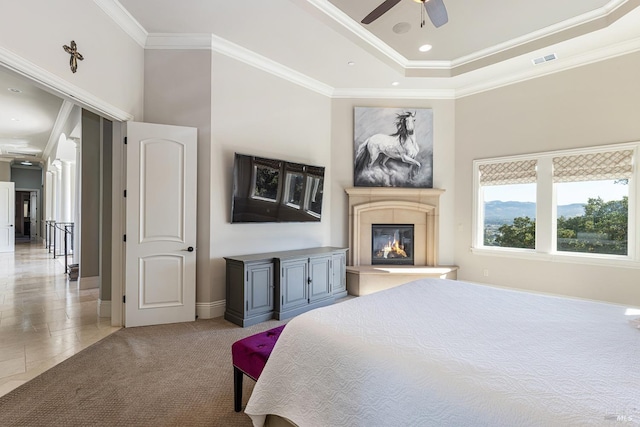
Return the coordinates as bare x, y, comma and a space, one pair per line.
396, 207
392, 244
392, 209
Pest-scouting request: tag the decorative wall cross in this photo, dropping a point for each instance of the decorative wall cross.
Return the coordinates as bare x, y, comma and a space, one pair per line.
75, 55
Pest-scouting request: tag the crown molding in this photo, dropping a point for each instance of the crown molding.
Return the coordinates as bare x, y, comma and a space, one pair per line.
222, 46
60, 86
551, 30
602, 54
395, 93
237, 52
232, 50
179, 41
124, 19
356, 29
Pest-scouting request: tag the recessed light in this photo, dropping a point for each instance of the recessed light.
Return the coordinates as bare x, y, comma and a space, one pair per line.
351, 63
13, 119
14, 90
395, 83
425, 48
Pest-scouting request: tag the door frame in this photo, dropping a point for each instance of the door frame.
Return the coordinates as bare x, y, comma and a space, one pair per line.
11, 217
62, 88
38, 219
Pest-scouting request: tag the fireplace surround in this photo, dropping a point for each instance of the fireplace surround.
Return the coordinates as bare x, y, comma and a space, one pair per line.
393, 206
385, 205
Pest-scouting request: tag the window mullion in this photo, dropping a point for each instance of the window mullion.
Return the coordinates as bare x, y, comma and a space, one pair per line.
545, 207
634, 210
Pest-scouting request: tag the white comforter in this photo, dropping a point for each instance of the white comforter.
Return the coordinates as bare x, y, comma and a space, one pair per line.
447, 353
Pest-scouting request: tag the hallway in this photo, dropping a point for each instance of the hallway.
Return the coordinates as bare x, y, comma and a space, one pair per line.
43, 318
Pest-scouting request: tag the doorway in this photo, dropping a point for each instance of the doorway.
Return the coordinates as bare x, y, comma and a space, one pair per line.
26, 215
23, 216
66, 159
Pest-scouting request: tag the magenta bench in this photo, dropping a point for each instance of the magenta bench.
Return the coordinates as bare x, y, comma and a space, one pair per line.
249, 356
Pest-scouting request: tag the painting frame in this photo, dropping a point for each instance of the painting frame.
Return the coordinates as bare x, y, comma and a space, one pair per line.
393, 147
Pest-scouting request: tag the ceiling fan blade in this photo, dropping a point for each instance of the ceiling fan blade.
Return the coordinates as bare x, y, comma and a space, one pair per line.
380, 10
437, 12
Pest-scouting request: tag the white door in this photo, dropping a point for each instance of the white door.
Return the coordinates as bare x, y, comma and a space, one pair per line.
33, 215
160, 281
7, 216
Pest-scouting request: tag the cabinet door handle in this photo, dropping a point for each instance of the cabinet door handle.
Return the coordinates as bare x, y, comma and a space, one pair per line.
309, 280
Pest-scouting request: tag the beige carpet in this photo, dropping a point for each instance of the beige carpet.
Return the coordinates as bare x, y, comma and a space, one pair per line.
168, 375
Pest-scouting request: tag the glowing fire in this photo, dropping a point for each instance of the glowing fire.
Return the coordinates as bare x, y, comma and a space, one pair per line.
394, 248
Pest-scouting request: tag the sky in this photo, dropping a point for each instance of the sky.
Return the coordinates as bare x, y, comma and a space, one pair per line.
567, 193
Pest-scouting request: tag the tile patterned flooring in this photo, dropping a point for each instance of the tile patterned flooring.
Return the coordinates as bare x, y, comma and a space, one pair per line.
44, 319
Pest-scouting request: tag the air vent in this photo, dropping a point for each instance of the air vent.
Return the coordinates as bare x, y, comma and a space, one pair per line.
543, 59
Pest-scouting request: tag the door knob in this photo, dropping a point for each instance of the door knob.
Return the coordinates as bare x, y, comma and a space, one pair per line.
189, 249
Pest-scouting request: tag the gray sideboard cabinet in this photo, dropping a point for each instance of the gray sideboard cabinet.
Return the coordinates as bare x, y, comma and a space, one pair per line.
249, 291
304, 282
283, 284
339, 264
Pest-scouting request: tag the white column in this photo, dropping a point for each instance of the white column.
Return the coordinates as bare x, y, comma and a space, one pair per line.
74, 177
48, 195
57, 198
66, 196
77, 211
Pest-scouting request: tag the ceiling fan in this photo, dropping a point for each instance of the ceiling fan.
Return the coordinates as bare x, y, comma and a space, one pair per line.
435, 9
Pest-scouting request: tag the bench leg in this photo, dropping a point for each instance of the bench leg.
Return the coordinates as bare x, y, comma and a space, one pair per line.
237, 389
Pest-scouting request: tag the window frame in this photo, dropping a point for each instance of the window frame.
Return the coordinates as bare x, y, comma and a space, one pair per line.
546, 212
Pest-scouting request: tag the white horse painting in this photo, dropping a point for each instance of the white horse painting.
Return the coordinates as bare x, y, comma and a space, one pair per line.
393, 158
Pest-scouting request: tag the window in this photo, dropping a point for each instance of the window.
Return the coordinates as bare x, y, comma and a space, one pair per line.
574, 203
592, 202
508, 194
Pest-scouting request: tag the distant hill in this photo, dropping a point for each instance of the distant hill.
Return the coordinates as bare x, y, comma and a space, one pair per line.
498, 212
569, 211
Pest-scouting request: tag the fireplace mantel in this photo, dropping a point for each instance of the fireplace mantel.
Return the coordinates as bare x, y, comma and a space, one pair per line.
389, 205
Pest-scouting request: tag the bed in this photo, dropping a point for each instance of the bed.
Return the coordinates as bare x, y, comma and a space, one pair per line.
437, 352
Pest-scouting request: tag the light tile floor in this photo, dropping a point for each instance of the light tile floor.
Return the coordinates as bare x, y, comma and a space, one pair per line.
44, 319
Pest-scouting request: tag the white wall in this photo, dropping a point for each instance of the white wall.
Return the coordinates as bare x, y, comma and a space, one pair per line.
587, 106
35, 31
237, 108
5, 171
178, 92
342, 151
256, 113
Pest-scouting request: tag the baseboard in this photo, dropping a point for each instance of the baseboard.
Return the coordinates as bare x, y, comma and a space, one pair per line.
209, 310
104, 308
89, 282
